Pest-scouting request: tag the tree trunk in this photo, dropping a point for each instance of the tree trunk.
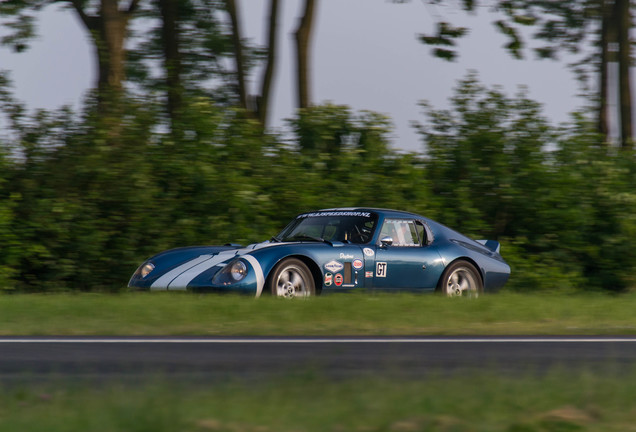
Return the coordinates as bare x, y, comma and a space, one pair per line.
108, 31
606, 33
112, 32
172, 57
262, 105
624, 60
238, 53
303, 44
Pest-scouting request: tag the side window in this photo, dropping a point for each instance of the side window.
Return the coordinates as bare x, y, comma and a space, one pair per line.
403, 232
421, 233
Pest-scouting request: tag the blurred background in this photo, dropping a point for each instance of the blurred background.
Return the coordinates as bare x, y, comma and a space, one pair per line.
129, 127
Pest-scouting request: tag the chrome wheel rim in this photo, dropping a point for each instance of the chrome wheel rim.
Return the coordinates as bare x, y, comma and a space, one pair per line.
462, 283
291, 283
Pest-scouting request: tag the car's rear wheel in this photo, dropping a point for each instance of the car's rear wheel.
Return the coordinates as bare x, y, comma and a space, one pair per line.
292, 278
461, 279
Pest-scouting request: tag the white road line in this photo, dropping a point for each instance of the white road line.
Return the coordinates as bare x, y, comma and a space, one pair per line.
106, 340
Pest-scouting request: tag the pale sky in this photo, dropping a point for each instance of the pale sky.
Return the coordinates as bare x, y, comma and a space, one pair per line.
366, 55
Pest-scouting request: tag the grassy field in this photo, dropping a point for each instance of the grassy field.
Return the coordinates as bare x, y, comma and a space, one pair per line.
346, 314
554, 402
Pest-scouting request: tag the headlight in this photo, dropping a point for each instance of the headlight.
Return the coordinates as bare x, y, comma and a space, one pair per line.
238, 270
145, 269
234, 271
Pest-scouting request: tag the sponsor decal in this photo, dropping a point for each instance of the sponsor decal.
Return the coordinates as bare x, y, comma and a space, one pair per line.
334, 266
380, 269
368, 252
328, 279
338, 279
368, 274
346, 256
335, 213
358, 264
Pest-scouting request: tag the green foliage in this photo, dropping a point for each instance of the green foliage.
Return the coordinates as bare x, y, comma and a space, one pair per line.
8, 240
486, 160
204, 50
85, 197
16, 16
561, 202
445, 37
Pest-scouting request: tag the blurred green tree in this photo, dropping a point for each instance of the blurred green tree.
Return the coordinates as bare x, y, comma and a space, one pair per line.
105, 21
561, 205
486, 159
258, 105
597, 30
180, 52
255, 105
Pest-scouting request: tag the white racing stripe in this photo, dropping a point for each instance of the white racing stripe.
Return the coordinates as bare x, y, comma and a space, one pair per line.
181, 281
179, 277
159, 340
164, 281
260, 278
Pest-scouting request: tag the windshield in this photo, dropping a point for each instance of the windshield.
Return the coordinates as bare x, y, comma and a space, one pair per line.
345, 226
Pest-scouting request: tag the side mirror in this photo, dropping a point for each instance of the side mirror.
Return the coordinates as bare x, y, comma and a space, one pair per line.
386, 241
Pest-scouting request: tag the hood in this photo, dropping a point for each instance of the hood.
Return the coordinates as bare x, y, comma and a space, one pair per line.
177, 256
178, 267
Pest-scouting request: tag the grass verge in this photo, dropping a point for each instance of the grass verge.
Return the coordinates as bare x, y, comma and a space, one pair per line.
346, 314
557, 401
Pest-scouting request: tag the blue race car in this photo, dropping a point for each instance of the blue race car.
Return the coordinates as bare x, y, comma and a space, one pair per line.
335, 250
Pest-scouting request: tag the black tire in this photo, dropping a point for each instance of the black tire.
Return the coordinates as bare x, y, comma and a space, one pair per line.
461, 279
292, 278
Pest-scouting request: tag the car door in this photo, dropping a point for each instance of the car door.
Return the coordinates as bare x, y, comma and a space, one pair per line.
405, 258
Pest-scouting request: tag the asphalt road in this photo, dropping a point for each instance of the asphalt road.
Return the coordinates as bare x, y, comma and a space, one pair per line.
214, 358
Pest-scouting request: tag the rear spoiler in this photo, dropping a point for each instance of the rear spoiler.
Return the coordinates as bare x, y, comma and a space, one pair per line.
493, 245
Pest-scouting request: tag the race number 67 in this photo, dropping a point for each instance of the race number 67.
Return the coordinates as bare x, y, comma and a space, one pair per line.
380, 269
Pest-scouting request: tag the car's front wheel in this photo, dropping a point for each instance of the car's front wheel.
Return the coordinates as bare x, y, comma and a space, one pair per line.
292, 278
461, 279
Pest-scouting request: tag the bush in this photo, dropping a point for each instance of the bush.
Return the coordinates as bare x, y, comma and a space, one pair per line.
86, 197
